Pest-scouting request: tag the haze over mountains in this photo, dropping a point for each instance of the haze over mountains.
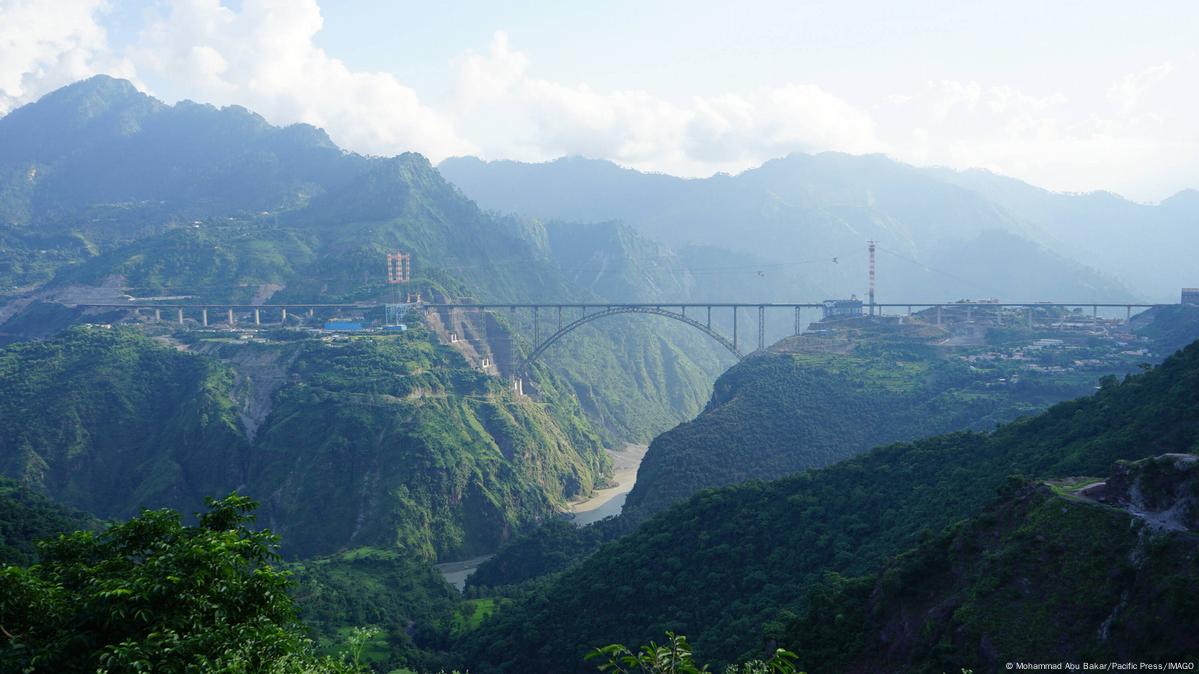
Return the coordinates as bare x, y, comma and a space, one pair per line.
938, 229
377, 449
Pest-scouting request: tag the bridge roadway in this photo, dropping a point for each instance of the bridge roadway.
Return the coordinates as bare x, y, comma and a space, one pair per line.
595, 310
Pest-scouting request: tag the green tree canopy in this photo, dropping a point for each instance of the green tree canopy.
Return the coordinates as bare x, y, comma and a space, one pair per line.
155, 595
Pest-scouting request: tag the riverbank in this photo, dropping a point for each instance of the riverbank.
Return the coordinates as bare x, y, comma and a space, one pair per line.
602, 503
456, 573
607, 502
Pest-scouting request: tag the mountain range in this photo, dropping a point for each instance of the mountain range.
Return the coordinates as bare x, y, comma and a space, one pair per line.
941, 234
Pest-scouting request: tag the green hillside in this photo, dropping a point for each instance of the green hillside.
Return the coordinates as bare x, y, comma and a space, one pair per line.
815, 399
217, 206
390, 441
27, 516
402, 596
730, 567
1047, 573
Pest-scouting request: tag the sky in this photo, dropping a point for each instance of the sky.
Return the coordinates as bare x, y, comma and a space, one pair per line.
1071, 96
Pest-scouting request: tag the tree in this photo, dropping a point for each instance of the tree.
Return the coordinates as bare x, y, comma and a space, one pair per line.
154, 595
674, 657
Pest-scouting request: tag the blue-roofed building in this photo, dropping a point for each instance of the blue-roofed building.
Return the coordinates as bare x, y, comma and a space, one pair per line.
343, 326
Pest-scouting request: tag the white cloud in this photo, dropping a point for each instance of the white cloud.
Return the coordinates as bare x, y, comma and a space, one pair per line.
1050, 140
1129, 90
1137, 135
263, 57
44, 46
729, 132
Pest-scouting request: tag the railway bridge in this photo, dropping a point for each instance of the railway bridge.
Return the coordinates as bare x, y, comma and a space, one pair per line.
552, 321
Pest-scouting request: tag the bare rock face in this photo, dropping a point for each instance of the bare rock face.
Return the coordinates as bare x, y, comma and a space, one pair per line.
1163, 491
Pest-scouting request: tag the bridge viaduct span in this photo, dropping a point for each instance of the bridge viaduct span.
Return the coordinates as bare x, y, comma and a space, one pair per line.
567, 317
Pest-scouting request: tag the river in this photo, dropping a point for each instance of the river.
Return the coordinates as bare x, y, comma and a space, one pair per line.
603, 503
607, 502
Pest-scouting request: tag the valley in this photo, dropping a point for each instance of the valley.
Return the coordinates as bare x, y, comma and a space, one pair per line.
592, 405
609, 501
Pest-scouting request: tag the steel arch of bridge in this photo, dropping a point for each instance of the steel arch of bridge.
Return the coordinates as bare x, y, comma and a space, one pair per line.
617, 310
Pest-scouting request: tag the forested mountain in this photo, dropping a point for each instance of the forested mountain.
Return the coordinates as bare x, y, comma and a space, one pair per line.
394, 441
1046, 573
28, 516
813, 400
841, 389
730, 567
219, 206
102, 152
937, 239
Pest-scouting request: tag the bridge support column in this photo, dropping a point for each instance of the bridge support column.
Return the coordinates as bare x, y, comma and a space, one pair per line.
798, 321
1028, 310
310, 312
761, 327
283, 315
1128, 313
709, 317
179, 315
559, 316
204, 317
231, 322
938, 314
1094, 311
158, 314
734, 326
536, 327
257, 317
969, 314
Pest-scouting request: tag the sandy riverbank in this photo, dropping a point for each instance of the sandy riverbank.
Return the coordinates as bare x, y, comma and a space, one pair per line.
603, 503
606, 502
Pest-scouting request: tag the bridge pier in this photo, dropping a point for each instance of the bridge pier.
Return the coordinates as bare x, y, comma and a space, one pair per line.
938, 314
1028, 310
709, 317
761, 327
204, 317
231, 322
179, 315
798, 321
158, 314
283, 315
559, 316
257, 317
734, 326
1128, 313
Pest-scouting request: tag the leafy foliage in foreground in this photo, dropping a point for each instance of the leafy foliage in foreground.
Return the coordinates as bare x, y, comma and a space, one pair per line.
758, 549
674, 657
154, 595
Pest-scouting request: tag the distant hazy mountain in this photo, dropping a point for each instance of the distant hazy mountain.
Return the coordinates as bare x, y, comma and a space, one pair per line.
101, 141
103, 185
1151, 247
938, 240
